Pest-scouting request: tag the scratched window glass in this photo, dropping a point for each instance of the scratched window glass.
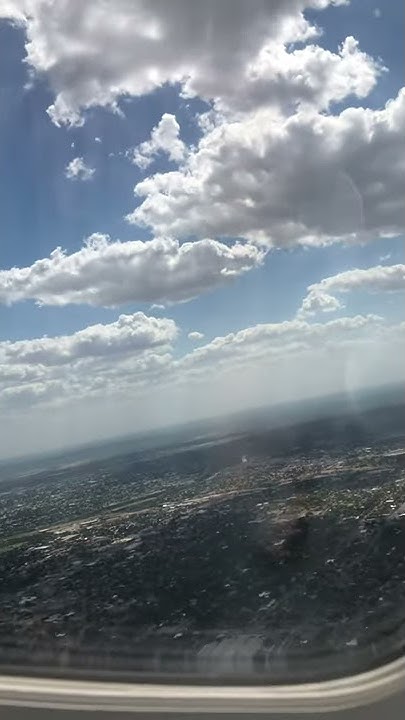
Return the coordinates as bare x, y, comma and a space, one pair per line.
202, 406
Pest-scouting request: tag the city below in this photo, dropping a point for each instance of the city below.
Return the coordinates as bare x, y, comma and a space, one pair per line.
274, 551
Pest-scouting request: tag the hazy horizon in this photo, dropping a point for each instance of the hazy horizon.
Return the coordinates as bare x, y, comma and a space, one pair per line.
238, 421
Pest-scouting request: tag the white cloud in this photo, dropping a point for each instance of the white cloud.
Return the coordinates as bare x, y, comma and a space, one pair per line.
318, 301
307, 179
288, 361
270, 167
97, 139
135, 352
377, 13
19, 373
112, 273
105, 379
270, 339
164, 138
129, 334
26, 396
202, 46
309, 76
279, 78
78, 170
195, 335
14, 10
98, 360
381, 278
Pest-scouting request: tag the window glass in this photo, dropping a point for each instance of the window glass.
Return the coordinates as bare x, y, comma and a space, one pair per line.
202, 458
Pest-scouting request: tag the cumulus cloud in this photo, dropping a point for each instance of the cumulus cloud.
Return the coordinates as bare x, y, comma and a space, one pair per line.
307, 179
271, 166
19, 373
25, 396
129, 334
135, 353
78, 170
202, 46
195, 336
318, 300
14, 10
267, 340
112, 273
98, 361
381, 278
164, 139
309, 76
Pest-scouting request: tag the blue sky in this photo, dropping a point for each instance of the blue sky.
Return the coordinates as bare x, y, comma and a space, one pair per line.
41, 208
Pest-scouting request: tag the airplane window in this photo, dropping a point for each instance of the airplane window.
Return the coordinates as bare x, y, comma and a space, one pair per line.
202, 275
